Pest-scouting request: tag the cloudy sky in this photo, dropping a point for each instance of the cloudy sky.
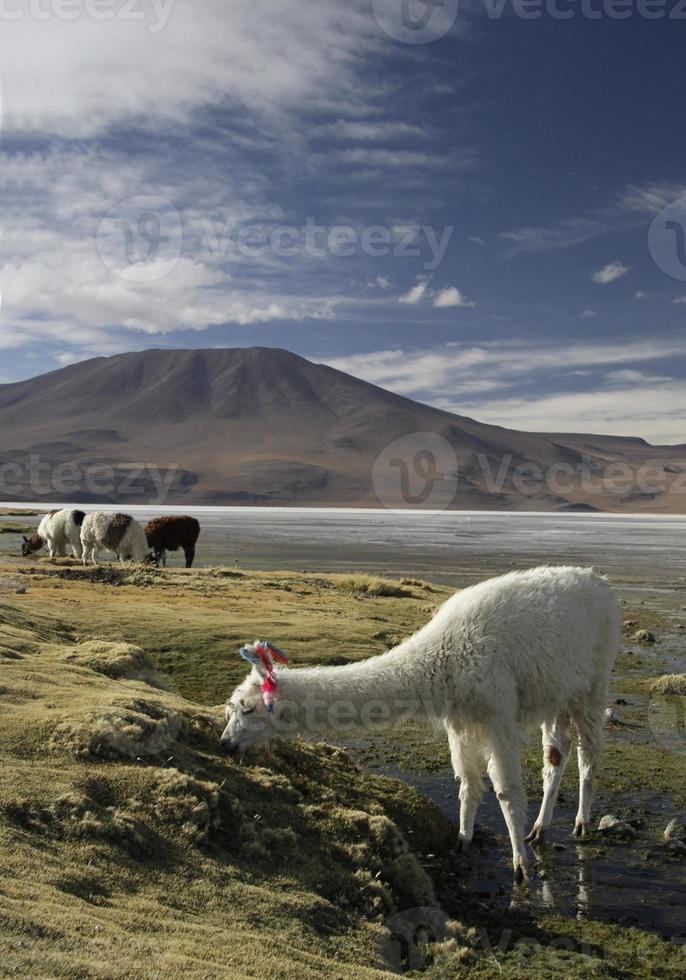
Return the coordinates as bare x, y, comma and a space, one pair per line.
470, 212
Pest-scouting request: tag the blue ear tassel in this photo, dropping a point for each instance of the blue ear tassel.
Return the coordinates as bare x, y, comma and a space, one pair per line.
251, 657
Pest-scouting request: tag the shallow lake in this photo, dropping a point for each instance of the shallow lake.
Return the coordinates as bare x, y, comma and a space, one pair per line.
440, 545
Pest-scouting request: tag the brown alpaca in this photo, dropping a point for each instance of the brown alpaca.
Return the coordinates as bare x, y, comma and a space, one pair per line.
171, 533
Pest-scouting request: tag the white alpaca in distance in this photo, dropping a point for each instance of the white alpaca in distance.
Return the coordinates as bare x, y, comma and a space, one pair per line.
120, 533
533, 647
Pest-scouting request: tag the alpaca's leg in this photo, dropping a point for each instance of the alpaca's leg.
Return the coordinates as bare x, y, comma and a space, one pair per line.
505, 771
555, 758
590, 728
468, 768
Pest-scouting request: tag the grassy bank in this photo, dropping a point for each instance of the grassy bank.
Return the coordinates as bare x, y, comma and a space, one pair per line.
131, 847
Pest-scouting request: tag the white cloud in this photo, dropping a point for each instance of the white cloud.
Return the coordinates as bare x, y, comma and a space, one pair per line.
414, 295
619, 410
450, 296
588, 314
641, 295
80, 77
392, 158
679, 300
629, 376
633, 207
610, 273
374, 132
56, 287
618, 396
650, 198
567, 233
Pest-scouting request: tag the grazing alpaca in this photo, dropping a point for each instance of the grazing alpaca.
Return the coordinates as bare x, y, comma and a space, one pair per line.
114, 532
58, 530
171, 533
532, 647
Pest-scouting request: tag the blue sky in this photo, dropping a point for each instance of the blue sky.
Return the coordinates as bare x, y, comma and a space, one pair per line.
176, 180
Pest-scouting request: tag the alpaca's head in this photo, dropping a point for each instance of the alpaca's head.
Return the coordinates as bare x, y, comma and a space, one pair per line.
248, 719
29, 545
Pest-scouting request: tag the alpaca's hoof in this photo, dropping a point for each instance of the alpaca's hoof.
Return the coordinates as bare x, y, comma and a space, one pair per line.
522, 872
462, 844
581, 829
536, 837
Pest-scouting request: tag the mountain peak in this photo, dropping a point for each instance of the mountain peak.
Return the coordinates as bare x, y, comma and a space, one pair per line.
264, 425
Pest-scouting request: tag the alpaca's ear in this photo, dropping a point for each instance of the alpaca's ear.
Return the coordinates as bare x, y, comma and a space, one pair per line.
26, 540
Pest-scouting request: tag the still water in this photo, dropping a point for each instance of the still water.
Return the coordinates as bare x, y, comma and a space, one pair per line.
441, 545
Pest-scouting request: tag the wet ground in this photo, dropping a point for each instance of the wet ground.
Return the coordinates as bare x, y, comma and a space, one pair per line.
631, 884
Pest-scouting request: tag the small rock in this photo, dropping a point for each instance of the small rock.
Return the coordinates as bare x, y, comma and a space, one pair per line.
20, 590
677, 848
611, 826
629, 624
621, 701
611, 716
675, 830
644, 636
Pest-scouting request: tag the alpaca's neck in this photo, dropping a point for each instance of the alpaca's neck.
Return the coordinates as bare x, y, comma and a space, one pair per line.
388, 689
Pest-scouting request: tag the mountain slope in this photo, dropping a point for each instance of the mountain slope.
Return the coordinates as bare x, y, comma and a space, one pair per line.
263, 426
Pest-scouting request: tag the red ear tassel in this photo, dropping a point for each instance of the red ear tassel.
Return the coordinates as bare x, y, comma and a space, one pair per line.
276, 653
264, 656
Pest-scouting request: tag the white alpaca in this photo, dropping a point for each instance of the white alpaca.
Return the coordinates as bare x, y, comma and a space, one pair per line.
57, 531
532, 647
113, 532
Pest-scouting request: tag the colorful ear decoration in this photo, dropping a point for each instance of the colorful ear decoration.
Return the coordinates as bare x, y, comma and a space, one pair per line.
263, 654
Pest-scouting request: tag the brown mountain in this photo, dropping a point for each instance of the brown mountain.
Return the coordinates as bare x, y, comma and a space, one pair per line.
262, 426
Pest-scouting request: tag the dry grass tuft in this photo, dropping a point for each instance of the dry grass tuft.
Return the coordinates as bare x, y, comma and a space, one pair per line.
113, 659
669, 684
183, 804
137, 730
372, 585
76, 817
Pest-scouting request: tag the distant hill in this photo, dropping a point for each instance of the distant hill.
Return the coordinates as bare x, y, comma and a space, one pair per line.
263, 426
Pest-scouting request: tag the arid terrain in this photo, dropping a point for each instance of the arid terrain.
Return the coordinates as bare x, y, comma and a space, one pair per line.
131, 846
264, 426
